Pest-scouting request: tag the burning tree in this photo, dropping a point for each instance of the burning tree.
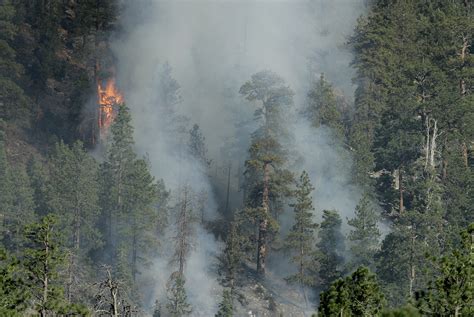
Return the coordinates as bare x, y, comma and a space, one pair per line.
109, 98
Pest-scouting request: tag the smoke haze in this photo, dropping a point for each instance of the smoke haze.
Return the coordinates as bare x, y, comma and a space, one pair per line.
213, 47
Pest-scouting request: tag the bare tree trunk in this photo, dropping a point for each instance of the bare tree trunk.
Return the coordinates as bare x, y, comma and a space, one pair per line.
228, 190
263, 223
433, 143
45, 277
400, 191
464, 154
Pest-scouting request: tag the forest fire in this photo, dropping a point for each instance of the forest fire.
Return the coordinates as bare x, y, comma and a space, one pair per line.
109, 97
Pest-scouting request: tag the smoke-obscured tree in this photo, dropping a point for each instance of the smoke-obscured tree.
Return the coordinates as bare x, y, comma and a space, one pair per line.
226, 307
197, 146
323, 108
185, 223
356, 295
232, 257
452, 292
300, 240
266, 177
177, 305
364, 236
330, 248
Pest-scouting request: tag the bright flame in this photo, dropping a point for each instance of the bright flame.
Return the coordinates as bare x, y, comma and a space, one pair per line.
109, 98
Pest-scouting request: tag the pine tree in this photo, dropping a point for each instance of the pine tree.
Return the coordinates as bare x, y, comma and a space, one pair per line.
299, 241
323, 108
197, 146
22, 209
231, 257
14, 294
226, 306
73, 195
329, 254
452, 292
43, 260
365, 235
13, 101
267, 179
185, 230
356, 295
39, 180
177, 305
6, 186
113, 172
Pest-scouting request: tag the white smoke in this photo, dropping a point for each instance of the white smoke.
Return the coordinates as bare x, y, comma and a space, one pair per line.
213, 48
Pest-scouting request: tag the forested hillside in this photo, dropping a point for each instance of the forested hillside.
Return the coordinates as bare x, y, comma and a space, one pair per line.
340, 184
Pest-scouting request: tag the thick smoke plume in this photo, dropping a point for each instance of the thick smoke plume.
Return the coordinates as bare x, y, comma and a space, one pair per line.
212, 48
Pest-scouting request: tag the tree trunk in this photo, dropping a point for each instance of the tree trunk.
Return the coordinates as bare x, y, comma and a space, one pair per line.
263, 223
228, 191
400, 191
45, 277
464, 154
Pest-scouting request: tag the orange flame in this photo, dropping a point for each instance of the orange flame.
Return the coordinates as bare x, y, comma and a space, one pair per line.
109, 98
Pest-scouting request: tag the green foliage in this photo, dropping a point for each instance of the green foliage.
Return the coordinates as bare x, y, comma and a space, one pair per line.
323, 107
329, 254
13, 100
177, 305
365, 235
452, 292
43, 260
73, 195
128, 199
14, 294
226, 306
356, 295
299, 241
406, 311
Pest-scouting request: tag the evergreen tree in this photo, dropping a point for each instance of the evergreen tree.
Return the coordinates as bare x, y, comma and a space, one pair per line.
300, 240
13, 101
6, 186
356, 295
232, 257
197, 146
39, 180
365, 235
452, 293
323, 108
43, 261
14, 294
73, 195
329, 254
22, 209
226, 306
185, 229
267, 178
177, 299
128, 199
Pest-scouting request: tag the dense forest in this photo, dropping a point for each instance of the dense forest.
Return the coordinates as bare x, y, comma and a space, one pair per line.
92, 224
